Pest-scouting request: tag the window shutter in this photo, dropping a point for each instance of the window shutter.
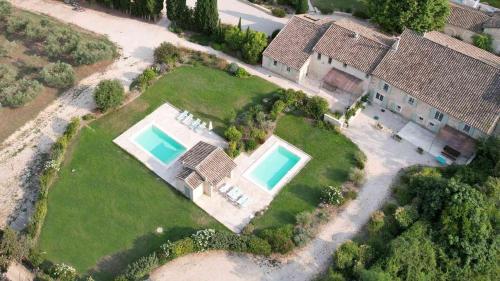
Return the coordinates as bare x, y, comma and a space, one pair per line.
431, 113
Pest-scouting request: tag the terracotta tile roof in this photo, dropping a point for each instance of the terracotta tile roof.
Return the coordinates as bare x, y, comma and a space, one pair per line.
354, 44
452, 81
464, 48
211, 163
467, 18
190, 177
293, 45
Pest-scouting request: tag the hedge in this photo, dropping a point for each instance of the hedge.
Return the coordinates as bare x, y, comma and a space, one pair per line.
48, 175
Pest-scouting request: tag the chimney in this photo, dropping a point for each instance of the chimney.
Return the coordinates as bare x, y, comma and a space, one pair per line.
395, 46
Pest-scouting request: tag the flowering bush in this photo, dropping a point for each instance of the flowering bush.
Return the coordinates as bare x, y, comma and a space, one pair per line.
203, 239
332, 195
64, 272
166, 249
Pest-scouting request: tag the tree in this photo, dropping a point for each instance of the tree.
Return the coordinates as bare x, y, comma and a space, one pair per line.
5, 9
233, 134
301, 6
13, 247
418, 15
206, 16
255, 44
239, 24
175, 9
108, 94
58, 75
483, 41
316, 107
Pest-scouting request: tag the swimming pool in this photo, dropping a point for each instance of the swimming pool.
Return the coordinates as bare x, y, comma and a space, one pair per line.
273, 167
159, 144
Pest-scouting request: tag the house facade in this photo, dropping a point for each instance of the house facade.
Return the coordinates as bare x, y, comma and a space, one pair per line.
433, 79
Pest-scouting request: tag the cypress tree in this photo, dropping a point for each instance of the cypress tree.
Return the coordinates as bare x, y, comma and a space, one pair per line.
206, 16
172, 10
239, 24
302, 6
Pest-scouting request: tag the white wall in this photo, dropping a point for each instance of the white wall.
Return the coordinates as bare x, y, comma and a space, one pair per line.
281, 69
495, 33
419, 112
318, 68
464, 34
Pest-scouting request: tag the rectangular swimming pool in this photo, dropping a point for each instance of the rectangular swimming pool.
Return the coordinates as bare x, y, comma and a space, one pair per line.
273, 167
159, 144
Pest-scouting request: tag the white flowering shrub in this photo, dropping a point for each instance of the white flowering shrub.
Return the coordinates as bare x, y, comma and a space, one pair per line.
52, 164
64, 272
332, 195
166, 249
203, 238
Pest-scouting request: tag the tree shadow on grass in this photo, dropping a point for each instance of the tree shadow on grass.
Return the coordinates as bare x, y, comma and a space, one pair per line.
113, 265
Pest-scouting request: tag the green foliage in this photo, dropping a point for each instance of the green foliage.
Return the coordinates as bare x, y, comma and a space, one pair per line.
418, 15
250, 145
301, 6
483, 41
241, 73
60, 44
5, 9
58, 75
255, 44
377, 221
90, 52
141, 267
406, 216
278, 107
374, 275
360, 159
232, 134
316, 107
206, 16
109, 94
280, 238
332, 195
64, 272
146, 9
233, 149
145, 79
357, 176
183, 247
167, 53
278, 12
430, 188
13, 247
258, 246
20, 92
351, 257
234, 38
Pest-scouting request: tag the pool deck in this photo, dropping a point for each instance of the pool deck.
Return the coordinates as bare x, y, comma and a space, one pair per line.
217, 205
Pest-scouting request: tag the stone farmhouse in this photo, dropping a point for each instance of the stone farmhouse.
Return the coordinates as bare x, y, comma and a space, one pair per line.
439, 82
465, 22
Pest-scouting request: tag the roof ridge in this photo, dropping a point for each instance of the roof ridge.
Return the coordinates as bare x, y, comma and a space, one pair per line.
376, 41
206, 157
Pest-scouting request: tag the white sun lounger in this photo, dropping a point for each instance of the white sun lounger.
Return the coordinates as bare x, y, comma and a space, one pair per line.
182, 115
225, 188
243, 201
188, 119
201, 127
234, 194
195, 124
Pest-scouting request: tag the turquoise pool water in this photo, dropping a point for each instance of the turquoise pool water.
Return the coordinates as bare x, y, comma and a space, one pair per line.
270, 170
160, 145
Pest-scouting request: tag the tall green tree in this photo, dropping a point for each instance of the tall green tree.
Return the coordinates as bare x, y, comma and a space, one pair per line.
302, 6
206, 16
418, 15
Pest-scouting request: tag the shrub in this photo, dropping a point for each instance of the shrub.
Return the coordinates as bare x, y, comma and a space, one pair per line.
253, 46
278, 107
64, 272
241, 73
228, 241
183, 247
278, 12
17, 25
357, 176
360, 159
483, 41
20, 93
332, 195
145, 79
233, 134
5, 9
58, 75
258, 134
250, 145
301, 6
60, 43
332, 275
232, 68
233, 149
167, 53
316, 107
258, 246
108, 94
234, 38
203, 238
377, 221
141, 267
275, 33
90, 52
360, 13
346, 255
280, 238
13, 247
406, 216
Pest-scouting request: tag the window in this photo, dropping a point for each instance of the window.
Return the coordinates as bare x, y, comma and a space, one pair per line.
275, 62
345, 65
431, 124
438, 116
411, 101
386, 87
466, 128
420, 118
398, 108
329, 60
319, 56
379, 97
288, 69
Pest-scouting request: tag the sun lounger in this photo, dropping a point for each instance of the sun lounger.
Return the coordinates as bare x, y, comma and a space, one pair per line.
182, 115
225, 188
195, 124
201, 127
234, 194
242, 201
188, 119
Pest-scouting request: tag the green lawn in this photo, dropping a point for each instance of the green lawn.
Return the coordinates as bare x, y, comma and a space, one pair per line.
105, 212
332, 156
494, 3
328, 6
